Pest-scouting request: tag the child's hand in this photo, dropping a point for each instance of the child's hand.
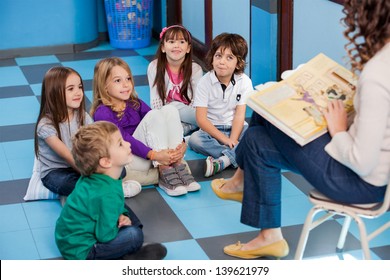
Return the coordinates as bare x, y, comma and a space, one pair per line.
123, 221
176, 155
182, 148
164, 157
231, 143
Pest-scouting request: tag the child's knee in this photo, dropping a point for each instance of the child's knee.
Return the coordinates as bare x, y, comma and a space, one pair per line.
195, 140
170, 111
136, 235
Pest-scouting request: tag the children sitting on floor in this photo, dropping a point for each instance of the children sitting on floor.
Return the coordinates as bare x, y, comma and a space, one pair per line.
220, 103
95, 223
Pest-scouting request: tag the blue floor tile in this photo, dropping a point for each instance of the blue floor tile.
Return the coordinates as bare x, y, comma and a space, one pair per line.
41, 214
27, 109
295, 209
45, 243
12, 76
143, 93
21, 168
102, 47
151, 50
200, 199
37, 89
89, 95
83, 67
19, 149
185, 250
22, 61
213, 221
13, 218
191, 155
18, 245
138, 64
5, 174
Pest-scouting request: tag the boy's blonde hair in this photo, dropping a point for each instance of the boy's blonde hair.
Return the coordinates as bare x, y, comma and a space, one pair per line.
101, 73
90, 144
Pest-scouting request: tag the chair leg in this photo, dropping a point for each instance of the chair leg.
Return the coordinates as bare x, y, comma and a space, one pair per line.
343, 234
363, 238
305, 234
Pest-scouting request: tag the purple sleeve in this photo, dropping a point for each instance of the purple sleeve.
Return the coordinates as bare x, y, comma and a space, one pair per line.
104, 113
144, 109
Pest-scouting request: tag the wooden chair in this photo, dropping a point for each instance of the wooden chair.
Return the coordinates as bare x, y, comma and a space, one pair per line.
358, 212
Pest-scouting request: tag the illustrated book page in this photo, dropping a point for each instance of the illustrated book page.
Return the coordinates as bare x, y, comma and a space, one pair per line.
294, 104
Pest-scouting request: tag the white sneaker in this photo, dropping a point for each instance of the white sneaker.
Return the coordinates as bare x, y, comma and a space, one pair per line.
131, 188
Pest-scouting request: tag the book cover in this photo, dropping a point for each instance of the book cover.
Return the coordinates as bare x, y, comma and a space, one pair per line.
294, 104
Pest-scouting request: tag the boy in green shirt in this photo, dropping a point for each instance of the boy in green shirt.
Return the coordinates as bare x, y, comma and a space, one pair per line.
95, 222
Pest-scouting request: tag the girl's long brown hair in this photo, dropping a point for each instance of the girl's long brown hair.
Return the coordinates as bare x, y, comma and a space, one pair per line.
368, 29
174, 33
53, 101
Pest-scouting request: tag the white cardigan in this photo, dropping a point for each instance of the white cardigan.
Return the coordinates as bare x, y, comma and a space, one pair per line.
365, 147
155, 100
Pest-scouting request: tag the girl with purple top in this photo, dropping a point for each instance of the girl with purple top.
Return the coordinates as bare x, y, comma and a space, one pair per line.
156, 136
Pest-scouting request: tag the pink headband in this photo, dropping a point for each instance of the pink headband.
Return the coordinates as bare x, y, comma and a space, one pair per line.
169, 27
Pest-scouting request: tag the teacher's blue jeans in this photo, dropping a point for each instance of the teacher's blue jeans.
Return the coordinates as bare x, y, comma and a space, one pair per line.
265, 150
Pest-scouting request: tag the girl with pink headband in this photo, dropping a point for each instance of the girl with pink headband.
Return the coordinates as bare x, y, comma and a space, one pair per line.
173, 75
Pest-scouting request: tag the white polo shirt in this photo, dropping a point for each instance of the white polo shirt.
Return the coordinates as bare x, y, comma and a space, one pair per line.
221, 105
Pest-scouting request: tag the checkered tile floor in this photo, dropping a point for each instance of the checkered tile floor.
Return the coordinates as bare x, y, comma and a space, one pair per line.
193, 227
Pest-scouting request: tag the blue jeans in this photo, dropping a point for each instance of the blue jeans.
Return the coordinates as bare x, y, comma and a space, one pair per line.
61, 181
265, 150
203, 143
129, 240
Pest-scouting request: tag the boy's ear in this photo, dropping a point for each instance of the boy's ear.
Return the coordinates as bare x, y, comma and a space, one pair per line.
105, 162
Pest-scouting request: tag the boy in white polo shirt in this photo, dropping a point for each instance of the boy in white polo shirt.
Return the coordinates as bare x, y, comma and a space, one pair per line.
220, 103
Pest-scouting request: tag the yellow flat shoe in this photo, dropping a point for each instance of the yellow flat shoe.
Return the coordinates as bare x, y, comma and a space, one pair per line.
216, 186
277, 249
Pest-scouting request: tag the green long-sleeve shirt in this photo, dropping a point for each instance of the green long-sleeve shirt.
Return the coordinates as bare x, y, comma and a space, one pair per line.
90, 215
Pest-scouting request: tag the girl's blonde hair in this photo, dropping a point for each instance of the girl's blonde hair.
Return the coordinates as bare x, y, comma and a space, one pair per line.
53, 101
101, 74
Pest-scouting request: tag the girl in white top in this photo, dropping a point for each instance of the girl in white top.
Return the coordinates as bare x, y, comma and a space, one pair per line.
173, 75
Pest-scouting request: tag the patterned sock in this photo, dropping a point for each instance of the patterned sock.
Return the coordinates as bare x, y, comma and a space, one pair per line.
225, 162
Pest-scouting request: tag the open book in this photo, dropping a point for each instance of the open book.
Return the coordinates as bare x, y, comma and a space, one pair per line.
294, 104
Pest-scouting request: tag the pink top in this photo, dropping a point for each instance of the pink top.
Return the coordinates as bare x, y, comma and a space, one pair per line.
174, 93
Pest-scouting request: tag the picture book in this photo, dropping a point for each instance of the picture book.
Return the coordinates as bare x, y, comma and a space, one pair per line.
295, 104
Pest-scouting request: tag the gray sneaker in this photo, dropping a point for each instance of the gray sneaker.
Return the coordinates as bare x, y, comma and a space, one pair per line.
187, 178
171, 183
